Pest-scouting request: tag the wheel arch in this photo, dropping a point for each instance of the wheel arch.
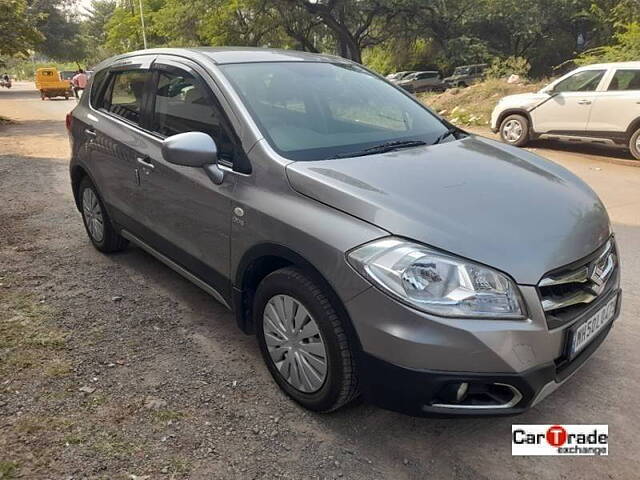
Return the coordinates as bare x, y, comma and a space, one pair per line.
633, 126
78, 172
261, 260
515, 111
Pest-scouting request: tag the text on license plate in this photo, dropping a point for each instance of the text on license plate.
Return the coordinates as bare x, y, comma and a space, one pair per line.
588, 330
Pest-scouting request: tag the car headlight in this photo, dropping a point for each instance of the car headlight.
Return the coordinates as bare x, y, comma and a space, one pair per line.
436, 282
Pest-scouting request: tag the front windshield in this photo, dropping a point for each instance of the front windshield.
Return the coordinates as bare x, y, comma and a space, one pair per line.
461, 71
315, 111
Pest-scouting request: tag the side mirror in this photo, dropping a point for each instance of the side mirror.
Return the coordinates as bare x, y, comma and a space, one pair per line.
194, 149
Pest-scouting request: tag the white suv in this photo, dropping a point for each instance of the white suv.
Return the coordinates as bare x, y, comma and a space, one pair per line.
597, 104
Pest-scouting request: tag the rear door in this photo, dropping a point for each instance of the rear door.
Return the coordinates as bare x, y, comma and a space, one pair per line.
615, 108
119, 138
188, 217
569, 108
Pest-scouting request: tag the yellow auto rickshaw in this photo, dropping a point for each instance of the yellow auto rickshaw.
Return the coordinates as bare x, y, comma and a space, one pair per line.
50, 85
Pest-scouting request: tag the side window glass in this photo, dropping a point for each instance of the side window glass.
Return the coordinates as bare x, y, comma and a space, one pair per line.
183, 105
625, 80
96, 88
125, 93
586, 81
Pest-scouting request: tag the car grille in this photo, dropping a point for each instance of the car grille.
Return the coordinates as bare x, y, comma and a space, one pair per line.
565, 293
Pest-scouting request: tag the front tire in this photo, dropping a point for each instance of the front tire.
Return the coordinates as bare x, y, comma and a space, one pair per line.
634, 144
96, 220
303, 341
514, 130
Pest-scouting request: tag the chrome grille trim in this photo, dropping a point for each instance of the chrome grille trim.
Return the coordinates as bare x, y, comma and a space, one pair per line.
549, 305
581, 284
580, 275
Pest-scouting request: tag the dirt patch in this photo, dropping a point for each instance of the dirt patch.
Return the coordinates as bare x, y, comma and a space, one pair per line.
472, 106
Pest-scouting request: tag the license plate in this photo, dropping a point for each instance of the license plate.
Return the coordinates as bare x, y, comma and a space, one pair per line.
590, 328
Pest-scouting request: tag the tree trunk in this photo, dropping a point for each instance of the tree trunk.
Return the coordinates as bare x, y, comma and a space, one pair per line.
347, 45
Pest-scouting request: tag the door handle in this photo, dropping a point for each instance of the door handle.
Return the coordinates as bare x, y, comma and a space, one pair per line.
145, 162
90, 132
584, 102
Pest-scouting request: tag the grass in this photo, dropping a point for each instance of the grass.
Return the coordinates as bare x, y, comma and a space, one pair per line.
166, 415
178, 466
472, 106
34, 424
28, 337
8, 470
113, 448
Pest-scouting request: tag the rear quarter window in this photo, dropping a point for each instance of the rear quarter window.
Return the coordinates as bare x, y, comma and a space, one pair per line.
625, 80
97, 87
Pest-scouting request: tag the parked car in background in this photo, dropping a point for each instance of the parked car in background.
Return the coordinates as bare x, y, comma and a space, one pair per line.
372, 247
596, 104
466, 75
67, 74
396, 77
430, 81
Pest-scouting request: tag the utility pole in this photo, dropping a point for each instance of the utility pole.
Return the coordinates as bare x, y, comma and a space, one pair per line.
144, 33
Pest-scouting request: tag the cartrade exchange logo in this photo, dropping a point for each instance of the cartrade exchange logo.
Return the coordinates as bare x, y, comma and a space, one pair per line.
560, 440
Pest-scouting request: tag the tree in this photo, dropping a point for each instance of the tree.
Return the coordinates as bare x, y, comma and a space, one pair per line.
626, 48
96, 18
358, 24
93, 29
17, 24
124, 29
61, 31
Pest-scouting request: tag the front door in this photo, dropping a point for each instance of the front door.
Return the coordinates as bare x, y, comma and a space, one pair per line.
187, 216
570, 105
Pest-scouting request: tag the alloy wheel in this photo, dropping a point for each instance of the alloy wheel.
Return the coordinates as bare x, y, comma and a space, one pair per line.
294, 343
512, 131
93, 215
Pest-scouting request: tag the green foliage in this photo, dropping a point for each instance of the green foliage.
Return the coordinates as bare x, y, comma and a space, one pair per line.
124, 28
17, 25
94, 31
387, 35
60, 29
501, 68
626, 49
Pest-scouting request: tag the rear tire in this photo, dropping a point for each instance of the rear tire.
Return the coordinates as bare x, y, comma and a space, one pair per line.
514, 130
304, 341
634, 144
96, 220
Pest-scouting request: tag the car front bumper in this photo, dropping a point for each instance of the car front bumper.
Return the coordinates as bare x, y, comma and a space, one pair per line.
405, 365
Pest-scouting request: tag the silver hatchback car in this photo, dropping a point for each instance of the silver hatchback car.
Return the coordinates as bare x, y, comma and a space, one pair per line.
374, 249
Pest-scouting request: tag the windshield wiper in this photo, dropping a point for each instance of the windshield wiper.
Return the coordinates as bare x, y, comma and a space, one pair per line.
449, 132
383, 148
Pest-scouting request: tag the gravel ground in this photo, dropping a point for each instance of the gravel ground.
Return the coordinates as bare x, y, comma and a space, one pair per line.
115, 367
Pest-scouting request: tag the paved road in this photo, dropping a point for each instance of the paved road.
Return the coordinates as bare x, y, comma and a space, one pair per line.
379, 444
